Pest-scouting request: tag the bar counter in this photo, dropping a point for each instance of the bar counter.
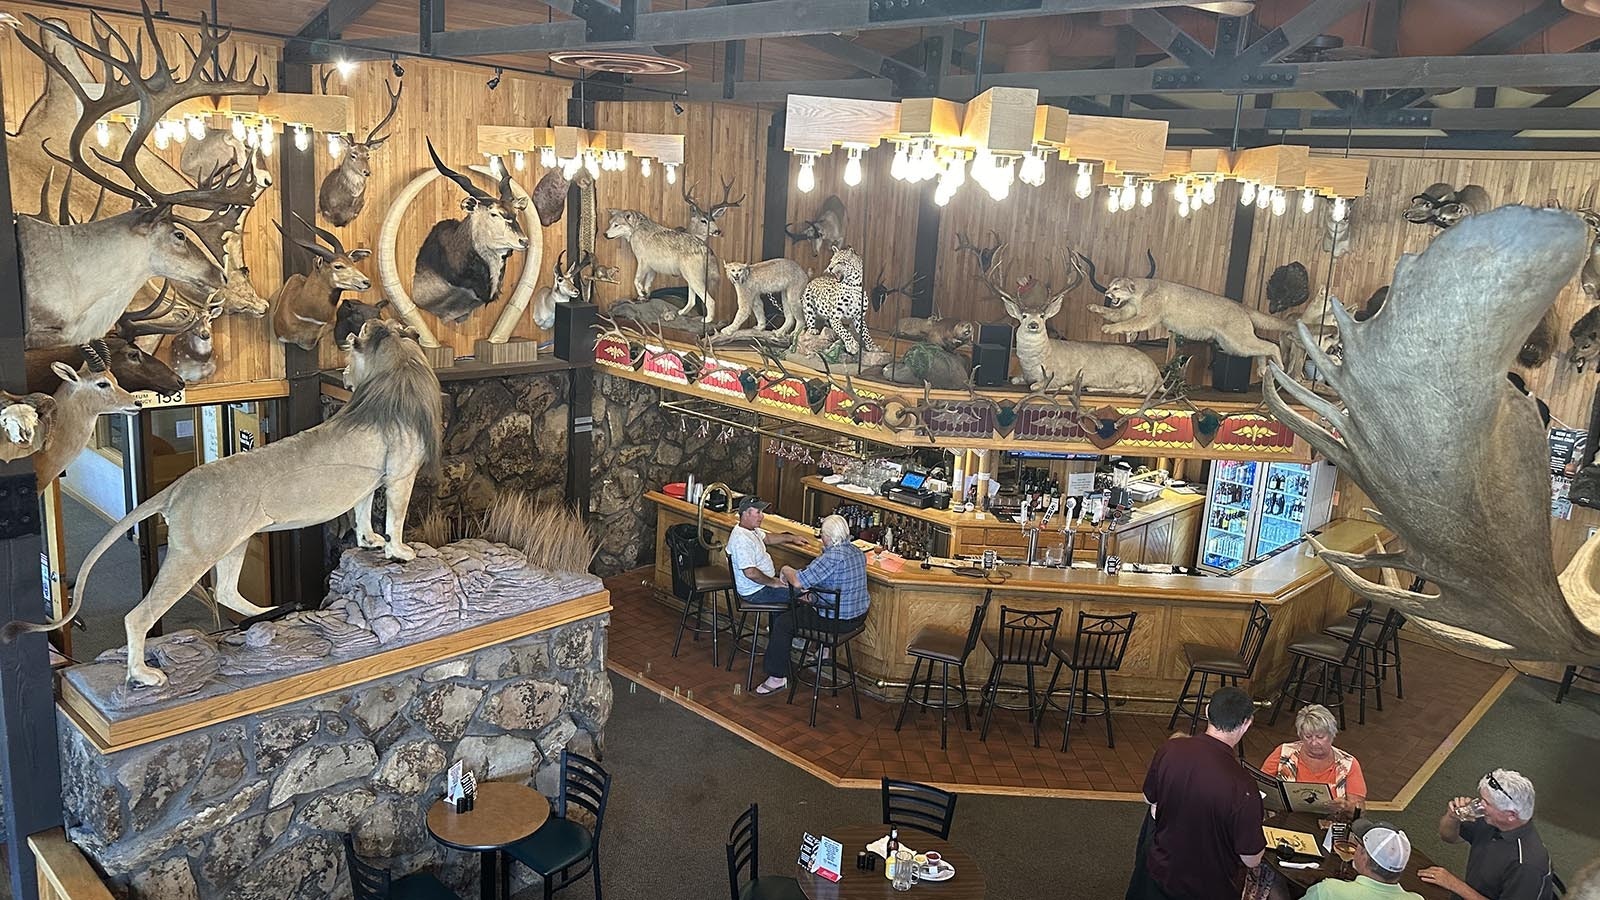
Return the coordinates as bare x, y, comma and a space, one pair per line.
1300, 591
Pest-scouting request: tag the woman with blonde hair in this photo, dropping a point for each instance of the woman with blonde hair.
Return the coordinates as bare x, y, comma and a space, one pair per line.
1314, 758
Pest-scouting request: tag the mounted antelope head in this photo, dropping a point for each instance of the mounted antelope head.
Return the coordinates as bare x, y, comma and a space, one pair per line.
69, 302
344, 190
460, 263
703, 222
307, 304
566, 288
881, 292
135, 369
85, 395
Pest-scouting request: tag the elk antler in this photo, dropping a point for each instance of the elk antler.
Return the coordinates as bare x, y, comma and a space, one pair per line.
394, 105
994, 272
123, 82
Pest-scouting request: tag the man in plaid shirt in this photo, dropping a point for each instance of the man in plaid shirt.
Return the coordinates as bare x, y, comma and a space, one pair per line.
841, 567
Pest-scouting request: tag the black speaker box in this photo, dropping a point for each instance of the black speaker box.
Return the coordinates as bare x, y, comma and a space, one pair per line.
1231, 373
994, 364
575, 323
995, 334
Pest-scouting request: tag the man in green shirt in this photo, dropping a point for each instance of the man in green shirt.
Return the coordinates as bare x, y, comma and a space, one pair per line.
1382, 852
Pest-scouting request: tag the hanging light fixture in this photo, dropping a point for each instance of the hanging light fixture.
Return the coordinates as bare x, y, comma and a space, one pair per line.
335, 145
644, 166
1032, 171
1183, 207
302, 138
1147, 193
267, 135
197, 127
570, 167
519, 160
160, 135
346, 68
1263, 197
238, 128
495, 168
1113, 198
806, 181
1208, 191
1339, 209
672, 174
547, 157
852, 166
1084, 186
1247, 193
591, 162
102, 133
1308, 200
1125, 197
1180, 190
897, 167
177, 131
1280, 201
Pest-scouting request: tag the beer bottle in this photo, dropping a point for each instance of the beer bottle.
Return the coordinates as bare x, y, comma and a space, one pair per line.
889, 851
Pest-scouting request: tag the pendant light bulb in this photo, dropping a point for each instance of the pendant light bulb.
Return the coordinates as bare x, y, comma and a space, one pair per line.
929, 168
1247, 193
238, 128
267, 135
897, 167
495, 168
1084, 186
1127, 200
672, 173
335, 145
176, 131
547, 157
346, 68
160, 135
1113, 199
197, 127
806, 181
1308, 200
302, 138
998, 188
519, 160
1263, 197
1280, 201
1208, 191
591, 162
852, 168
1339, 209
1183, 208
1147, 194
102, 133
645, 166
942, 196
1032, 171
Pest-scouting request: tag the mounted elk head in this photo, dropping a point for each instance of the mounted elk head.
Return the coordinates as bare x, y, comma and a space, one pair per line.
461, 262
1413, 378
85, 395
344, 190
307, 303
68, 302
703, 222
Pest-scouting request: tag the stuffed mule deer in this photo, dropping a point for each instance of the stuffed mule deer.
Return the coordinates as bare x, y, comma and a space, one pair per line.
307, 304
703, 222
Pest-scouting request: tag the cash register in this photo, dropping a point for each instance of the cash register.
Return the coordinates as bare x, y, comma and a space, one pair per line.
911, 490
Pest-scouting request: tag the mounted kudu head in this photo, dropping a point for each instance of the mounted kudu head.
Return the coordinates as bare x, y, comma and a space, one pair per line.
331, 258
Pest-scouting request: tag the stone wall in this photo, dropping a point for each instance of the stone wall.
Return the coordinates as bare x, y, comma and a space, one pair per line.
637, 448
254, 808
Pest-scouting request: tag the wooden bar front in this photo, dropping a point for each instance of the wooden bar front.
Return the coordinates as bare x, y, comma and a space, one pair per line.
1300, 591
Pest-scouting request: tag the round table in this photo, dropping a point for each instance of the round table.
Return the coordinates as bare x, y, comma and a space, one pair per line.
857, 885
502, 814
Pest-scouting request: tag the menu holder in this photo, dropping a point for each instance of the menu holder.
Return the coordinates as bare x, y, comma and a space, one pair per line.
821, 856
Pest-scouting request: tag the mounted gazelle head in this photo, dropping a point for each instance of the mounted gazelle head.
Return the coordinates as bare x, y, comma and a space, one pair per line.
93, 389
492, 225
703, 222
344, 190
331, 262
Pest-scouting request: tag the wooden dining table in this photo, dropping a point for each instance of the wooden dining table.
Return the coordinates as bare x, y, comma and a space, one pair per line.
502, 814
1331, 866
855, 884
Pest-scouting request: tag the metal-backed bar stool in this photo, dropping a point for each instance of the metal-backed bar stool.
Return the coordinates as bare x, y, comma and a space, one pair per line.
1024, 639
1331, 656
700, 580
1376, 654
823, 646
743, 608
944, 648
1206, 660
1098, 646
1573, 674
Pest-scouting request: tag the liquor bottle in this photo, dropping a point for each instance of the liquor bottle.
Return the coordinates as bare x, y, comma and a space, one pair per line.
889, 853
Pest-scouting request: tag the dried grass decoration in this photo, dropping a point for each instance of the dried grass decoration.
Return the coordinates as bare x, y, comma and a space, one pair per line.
552, 536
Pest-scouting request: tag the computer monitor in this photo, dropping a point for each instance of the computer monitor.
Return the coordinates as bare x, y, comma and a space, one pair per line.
913, 481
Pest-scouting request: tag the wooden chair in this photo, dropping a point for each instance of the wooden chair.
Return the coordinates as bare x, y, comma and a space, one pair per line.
1024, 639
944, 648
744, 853
370, 882
1098, 646
911, 804
1225, 663
563, 851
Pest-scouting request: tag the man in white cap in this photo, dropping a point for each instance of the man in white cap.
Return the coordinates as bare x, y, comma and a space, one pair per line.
1382, 852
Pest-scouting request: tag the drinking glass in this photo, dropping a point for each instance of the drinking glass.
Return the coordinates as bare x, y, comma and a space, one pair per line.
1346, 849
1470, 811
905, 870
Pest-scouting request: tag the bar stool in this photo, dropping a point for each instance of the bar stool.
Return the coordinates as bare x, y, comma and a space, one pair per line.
1222, 662
1379, 652
1024, 639
824, 646
1331, 656
744, 608
1098, 646
703, 581
1572, 674
945, 648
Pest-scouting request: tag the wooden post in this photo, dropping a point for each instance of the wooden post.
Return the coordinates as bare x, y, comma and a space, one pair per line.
30, 767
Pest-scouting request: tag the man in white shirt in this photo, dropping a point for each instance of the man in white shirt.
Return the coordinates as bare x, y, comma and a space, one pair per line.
754, 575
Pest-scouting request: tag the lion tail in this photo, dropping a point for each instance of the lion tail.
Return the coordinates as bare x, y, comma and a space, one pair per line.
139, 513
1268, 322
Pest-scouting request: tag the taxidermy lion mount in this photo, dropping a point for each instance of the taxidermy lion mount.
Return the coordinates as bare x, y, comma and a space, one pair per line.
381, 438
1139, 304
1405, 399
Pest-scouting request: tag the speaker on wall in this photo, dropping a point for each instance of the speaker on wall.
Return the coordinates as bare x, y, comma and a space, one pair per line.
1231, 373
574, 340
993, 362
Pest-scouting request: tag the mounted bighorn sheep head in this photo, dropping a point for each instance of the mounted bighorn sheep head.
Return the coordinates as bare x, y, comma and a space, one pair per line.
703, 222
344, 190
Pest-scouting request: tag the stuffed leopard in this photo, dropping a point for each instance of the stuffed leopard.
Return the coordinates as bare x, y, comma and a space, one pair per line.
837, 297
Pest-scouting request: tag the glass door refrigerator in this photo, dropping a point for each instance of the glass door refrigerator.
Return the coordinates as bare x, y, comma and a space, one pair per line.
1254, 508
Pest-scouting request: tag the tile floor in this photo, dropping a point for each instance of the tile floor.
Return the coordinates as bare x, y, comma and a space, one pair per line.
1441, 690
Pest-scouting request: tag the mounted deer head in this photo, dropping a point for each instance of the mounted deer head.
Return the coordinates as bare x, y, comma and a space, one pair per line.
703, 222
881, 292
984, 255
344, 190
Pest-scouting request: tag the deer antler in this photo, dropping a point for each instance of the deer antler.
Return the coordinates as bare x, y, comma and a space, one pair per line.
123, 82
724, 204
990, 275
394, 105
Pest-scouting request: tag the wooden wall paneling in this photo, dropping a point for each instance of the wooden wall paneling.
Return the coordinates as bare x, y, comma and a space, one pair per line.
1379, 235
245, 351
721, 141
446, 104
880, 223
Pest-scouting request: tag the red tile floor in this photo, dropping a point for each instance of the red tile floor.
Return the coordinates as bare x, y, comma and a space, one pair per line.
1445, 695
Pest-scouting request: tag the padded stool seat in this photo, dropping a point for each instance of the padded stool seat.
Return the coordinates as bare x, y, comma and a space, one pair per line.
1322, 648
710, 578
937, 644
942, 648
1216, 660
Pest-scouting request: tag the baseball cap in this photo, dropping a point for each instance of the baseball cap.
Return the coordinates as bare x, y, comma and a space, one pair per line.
750, 501
1388, 846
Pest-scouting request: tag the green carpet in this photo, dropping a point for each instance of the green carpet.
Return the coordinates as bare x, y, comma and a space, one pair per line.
679, 782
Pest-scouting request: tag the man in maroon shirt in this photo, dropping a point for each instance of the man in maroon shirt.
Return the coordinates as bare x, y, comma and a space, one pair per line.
1207, 811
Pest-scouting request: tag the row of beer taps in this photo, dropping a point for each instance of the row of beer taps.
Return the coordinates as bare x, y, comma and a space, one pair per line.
1047, 509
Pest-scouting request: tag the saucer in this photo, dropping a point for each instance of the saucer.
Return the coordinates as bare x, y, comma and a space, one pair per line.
946, 872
